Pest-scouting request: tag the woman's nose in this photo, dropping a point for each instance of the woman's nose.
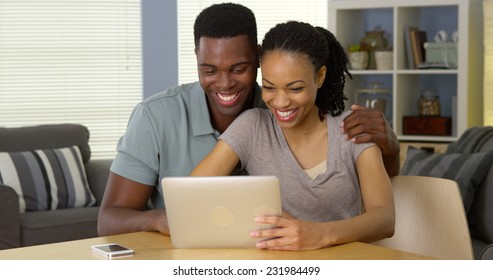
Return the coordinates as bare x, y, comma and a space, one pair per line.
281, 100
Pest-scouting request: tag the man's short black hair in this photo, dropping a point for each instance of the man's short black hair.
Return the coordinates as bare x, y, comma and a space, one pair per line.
225, 20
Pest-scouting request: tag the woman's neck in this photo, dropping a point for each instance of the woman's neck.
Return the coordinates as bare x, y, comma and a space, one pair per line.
308, 143
307, 129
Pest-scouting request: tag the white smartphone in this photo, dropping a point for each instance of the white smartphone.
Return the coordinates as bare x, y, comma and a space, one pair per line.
112, 250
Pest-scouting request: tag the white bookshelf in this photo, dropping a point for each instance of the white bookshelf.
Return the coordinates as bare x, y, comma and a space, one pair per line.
460, 89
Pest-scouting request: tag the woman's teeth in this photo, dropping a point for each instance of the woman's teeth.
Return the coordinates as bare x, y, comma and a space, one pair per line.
285, 114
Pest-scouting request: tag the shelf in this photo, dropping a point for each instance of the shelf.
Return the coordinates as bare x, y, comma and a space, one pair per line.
406, 71
427, 72
426, 138
460, 89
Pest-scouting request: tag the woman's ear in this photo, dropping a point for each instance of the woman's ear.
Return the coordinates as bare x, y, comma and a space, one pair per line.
258, 55
321, 76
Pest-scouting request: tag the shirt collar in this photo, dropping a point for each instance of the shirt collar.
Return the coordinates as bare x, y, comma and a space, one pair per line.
201, 120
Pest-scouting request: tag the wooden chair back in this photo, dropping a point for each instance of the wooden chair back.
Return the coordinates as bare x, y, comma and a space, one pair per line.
430, 218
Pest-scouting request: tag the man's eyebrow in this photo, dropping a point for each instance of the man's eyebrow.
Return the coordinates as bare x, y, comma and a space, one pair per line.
232, 66
207, 65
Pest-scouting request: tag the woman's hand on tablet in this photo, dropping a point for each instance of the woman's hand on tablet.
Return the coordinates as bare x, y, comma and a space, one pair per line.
288, 234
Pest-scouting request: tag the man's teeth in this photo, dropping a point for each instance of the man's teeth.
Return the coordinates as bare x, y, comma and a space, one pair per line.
285, 114
228, 97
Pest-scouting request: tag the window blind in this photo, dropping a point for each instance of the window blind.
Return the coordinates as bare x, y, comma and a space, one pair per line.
71, 62
267, 14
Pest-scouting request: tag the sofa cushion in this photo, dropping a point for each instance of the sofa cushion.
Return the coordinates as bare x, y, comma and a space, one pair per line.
57, 226
482, 209
47, 179
467, 169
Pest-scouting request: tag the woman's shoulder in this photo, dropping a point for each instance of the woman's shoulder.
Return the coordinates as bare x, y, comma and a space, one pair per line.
335, 121
256, 118
343, 115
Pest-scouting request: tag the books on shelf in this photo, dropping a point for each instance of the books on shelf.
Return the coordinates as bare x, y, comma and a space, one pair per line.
409, 49
414, 42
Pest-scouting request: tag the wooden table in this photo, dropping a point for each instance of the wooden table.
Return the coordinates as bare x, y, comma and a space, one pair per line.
156, 246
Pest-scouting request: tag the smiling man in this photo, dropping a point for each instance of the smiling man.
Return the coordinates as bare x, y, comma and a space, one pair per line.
227, 72
169, 133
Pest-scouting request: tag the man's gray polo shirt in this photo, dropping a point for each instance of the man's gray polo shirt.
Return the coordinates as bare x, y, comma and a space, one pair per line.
168, 134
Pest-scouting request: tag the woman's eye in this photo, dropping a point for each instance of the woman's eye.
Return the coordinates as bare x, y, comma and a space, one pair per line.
298, 89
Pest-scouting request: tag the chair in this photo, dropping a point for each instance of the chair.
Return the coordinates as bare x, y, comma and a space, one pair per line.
430, 218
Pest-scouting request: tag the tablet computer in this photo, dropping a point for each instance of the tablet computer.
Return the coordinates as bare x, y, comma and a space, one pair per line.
218, 212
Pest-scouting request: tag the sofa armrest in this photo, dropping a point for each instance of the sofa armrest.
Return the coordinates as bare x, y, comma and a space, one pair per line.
487, 253
97, 175
10, 221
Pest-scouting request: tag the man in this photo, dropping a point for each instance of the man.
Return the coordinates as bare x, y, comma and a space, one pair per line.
172, 131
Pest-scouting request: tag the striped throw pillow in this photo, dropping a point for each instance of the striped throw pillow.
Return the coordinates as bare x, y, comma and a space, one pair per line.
467, 169
47, 179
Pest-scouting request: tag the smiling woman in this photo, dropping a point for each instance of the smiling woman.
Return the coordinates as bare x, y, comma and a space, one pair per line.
287, 80
333, 191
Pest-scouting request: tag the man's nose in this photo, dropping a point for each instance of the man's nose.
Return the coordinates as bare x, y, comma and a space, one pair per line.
225, 81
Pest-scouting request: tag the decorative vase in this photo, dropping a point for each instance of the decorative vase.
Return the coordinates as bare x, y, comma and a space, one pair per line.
384, 60
374, 40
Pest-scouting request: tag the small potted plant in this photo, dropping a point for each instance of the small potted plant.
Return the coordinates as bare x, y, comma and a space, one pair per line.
358, 56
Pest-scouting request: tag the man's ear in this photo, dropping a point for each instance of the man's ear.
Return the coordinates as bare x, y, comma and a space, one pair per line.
321, 76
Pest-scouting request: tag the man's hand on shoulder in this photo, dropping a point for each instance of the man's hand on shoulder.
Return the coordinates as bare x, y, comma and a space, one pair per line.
365, 125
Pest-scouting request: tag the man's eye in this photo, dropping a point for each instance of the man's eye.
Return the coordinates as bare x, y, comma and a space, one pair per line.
239, 70
208, 71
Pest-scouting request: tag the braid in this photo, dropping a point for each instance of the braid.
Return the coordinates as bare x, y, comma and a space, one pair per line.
330, 97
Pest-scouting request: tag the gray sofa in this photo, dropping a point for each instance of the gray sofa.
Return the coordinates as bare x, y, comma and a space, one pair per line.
481, 215
466, 162
47, 226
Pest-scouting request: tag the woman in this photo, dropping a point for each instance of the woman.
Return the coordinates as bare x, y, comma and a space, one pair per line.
333, 191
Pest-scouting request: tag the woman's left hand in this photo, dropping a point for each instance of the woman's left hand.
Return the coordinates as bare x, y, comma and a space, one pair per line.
288, 234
